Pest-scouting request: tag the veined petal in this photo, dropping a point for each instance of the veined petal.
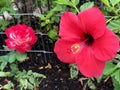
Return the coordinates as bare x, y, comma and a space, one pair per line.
69, 26
63, 50
105, 48
10, 44
88, 65
93, 22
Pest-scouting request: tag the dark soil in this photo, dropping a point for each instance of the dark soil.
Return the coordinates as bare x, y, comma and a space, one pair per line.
58, 76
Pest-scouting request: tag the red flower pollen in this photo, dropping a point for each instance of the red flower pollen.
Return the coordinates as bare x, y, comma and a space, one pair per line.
86, 41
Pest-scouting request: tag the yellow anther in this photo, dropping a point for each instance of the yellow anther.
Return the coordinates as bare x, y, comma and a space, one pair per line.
75, 48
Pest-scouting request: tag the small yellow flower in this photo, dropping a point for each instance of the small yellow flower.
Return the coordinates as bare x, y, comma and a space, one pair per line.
47, 21
12, 0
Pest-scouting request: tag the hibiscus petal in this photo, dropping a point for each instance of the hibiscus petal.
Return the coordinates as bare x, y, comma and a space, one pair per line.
69, 26
63, 50
105, 48
88, 65
93, 21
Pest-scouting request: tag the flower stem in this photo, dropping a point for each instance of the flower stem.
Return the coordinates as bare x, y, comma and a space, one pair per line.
76, 9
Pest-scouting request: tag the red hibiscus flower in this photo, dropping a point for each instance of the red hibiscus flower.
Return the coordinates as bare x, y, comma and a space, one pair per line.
86, 41
20, 37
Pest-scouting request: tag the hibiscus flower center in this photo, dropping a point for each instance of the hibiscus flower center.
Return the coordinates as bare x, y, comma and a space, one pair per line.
88, 39
75, 48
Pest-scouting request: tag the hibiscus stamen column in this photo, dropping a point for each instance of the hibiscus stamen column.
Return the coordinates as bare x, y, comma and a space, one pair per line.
75, 48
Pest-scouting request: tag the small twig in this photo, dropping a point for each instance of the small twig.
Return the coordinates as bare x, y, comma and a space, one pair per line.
85, 86
106, 79
81, 80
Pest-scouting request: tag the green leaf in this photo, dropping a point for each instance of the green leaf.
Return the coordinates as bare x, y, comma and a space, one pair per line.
65, 2
14, 68
91, 84
73, 71
42, 17
106, 2
4, 74
114, 2
29, 72
114, 25
30, 86
109, 68
118, 56
5, 48
57, 8
75, 2
53, 34
116, 75
28, 79
4, 58
50, 14
12, 57
115, 84
86, 5
3, 25
8, 86
114, 71
23, 83
43, 24
21, 74
36, 84
38, 75
118, 65
32, 80
4, 61
3, 3
3, 65
21, 56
